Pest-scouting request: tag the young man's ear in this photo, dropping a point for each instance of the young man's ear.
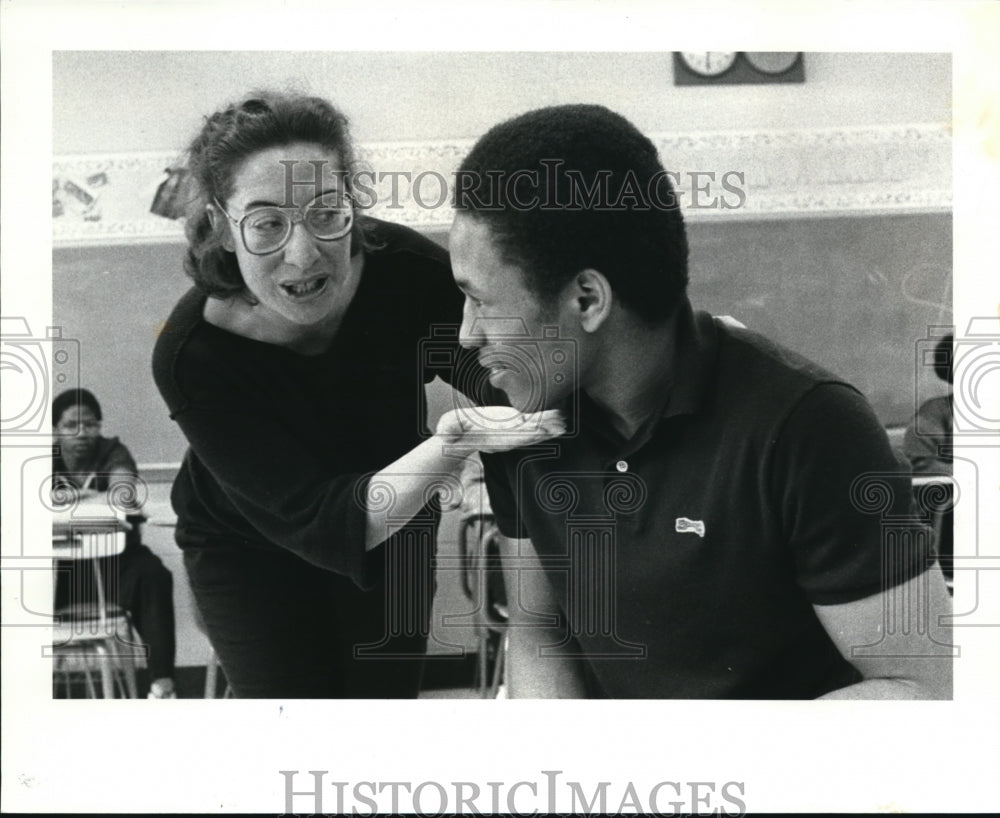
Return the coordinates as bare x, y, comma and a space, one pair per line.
220, 226
593, 299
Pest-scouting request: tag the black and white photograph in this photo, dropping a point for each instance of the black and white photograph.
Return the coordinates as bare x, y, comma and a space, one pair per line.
629, 411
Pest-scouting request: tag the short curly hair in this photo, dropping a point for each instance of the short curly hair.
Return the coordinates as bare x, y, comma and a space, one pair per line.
262, 120
571, 187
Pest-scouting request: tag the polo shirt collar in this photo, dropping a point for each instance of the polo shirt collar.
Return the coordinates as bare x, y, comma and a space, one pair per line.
694, 361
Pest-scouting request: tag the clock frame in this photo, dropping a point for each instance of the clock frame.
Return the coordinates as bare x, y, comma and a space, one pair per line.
776, 67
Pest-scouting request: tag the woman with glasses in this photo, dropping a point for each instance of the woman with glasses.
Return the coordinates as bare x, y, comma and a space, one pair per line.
307, 501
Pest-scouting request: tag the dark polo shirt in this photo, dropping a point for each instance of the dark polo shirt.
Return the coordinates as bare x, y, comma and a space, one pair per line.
687, 560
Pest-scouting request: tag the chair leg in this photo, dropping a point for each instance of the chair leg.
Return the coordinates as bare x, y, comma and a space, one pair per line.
107, 671
128, 666
484, 650
91, 690
124, 669
211, 674
130, 681
58, 677
63, 675
118, 674
498, 665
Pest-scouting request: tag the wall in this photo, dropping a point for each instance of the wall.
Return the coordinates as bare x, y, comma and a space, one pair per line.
158, 98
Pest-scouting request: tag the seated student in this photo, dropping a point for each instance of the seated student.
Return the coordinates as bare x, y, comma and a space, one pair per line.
703, 529
927, 442
87, 463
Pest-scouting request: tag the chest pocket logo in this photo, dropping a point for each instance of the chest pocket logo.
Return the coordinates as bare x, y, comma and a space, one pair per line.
682, 525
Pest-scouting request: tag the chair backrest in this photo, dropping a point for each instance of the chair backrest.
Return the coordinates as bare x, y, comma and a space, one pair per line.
482, 582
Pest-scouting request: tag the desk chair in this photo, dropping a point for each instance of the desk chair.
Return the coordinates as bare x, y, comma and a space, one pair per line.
482, 583
93, 633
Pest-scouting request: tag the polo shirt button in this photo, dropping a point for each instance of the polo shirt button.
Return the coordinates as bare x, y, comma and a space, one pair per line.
621, 465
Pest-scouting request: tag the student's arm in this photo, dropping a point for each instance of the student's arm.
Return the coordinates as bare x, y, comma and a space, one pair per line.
116, 469
124, 491
910, 660
535, 621
861, 552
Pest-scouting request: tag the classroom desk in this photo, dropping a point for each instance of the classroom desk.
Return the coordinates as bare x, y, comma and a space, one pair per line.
932, 480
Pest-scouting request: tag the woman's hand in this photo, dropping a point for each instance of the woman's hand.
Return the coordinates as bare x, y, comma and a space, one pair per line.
499, 428
433, 465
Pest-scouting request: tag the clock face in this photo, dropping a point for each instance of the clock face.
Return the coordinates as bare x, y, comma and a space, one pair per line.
772, 62
709, 63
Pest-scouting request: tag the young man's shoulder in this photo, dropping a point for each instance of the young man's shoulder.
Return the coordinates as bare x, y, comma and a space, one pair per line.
756, 370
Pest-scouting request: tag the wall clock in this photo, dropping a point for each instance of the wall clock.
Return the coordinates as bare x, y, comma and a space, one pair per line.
737, 67
708, 63
772, 62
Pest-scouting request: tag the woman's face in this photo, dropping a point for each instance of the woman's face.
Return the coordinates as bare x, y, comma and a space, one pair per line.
308, 280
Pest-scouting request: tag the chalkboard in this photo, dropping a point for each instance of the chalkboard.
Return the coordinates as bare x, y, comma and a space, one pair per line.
113, 300
854, 294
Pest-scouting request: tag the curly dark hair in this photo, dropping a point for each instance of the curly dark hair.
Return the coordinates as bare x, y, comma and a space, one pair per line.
571, 187
262, 120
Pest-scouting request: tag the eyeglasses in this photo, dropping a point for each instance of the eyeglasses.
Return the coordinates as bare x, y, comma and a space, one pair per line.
265, 230
76, 428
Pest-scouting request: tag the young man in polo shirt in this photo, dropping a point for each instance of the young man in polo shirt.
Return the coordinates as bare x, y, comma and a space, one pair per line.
714, 523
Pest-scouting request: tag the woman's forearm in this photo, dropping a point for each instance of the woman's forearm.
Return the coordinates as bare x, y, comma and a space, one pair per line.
399, 491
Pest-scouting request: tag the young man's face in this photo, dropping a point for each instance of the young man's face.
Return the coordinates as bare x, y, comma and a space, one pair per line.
529, 348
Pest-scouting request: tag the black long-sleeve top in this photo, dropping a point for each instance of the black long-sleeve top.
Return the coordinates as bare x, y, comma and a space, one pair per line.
282, 445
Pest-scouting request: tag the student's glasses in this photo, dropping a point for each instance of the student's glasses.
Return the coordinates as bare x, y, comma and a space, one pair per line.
75, 428
265, 230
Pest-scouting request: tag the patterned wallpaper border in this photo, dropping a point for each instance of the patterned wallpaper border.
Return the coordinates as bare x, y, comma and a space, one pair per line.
105, 199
